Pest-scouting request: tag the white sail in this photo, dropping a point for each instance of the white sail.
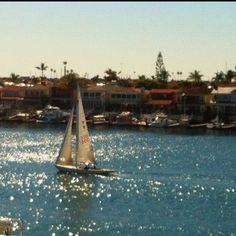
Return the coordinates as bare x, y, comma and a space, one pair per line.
84, 149
65, 157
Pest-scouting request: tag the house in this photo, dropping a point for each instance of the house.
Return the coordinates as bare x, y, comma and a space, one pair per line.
224, 102
94, 99
162, 100
12, 96
61, 96
124, 98
35, 97
111, 97
195, 101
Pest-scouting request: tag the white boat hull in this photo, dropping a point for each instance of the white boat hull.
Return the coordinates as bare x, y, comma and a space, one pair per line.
84, 171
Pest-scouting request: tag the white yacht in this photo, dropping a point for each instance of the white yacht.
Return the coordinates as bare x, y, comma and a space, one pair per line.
217, 124
52, 114
99, 120
184, 120
162, 121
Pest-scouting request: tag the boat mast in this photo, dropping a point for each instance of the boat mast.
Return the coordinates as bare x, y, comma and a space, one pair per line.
77, 122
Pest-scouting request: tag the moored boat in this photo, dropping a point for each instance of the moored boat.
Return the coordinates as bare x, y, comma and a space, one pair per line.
217, 124
52, 114
99, 120
125, 118
162, 121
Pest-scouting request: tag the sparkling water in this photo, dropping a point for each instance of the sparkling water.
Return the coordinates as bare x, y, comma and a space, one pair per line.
168, 182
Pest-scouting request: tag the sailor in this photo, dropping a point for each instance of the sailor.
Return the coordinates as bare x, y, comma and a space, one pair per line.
86, 166
93, 166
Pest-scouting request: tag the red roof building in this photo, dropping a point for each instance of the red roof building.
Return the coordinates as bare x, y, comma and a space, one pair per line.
12, 96
161, 99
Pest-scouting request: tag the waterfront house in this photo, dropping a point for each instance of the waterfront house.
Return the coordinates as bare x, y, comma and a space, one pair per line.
224, 102
124, 98
93, 99
35, 97
111, 97
12, 96
196, 102
162, 100
12, 99
61, 96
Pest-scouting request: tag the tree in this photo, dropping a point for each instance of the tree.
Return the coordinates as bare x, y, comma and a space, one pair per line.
142, 77
111, 75
64, 62
148, 84
69, 80
125, 82
14, 77
161, 73
97, 79
195, 76
219, 77
51, 73
42, 67
229, 76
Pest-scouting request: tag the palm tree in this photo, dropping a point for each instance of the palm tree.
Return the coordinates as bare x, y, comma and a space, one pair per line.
229, 76
219, 77
195, 76
110, 75
42, 67
64, 62
14, 77
54, 73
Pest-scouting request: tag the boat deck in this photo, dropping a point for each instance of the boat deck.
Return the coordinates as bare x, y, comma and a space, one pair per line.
84, 171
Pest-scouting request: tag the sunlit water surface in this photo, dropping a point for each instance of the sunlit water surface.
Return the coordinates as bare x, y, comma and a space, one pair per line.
168, 182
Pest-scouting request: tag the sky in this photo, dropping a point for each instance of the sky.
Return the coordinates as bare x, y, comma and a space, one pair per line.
124, 36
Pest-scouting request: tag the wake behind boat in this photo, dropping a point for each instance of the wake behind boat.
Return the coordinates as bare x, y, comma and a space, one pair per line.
83, 160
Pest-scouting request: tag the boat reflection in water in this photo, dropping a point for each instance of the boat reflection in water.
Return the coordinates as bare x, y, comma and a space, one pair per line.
75, 197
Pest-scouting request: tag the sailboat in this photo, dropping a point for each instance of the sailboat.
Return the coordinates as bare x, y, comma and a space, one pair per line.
82, 161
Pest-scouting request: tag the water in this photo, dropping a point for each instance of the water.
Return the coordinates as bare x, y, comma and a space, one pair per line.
169, 182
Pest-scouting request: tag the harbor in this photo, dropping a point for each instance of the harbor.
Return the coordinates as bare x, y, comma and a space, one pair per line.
117, 119
53, 115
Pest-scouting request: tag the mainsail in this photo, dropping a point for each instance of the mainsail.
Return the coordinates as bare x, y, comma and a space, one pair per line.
84, 149
65, 157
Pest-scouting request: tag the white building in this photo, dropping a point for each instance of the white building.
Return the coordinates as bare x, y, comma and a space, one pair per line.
225, 101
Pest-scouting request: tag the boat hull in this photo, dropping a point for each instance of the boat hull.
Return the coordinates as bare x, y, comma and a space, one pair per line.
84, 171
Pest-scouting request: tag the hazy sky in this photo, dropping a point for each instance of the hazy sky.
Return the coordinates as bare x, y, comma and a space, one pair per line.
126, 36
